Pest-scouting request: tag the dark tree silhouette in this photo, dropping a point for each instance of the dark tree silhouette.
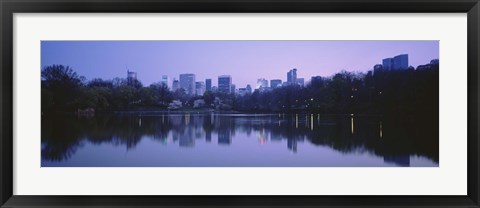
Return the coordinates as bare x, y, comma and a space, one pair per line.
60, 88
404, 92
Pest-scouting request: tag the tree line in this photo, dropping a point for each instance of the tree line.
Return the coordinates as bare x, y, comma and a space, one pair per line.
410, 91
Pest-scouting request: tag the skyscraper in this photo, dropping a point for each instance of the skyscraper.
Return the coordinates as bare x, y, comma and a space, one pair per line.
224, 83
187, 82
208, 83
262, 83
387, 64
400, 62
131, 77
199, 88
165, 80
275, 83
292, 76
175, 85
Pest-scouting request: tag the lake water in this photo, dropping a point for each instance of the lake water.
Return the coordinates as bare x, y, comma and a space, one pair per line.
239, 140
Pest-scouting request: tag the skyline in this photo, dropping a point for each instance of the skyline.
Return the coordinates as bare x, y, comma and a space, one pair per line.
211, 59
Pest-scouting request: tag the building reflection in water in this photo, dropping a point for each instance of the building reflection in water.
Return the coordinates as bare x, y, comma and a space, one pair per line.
292, 145
186, 138
262, 136
208, 136
345, 134
224, 136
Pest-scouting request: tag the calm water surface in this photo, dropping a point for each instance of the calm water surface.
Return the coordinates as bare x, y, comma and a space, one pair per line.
239, 140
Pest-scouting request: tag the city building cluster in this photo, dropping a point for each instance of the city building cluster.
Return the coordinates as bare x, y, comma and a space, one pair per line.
193, 87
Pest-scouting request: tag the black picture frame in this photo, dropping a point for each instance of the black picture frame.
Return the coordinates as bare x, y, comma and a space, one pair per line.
9, 7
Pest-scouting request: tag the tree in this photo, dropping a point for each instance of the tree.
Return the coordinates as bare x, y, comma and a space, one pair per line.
180, 94
97, 82
208, 97
124, 96
63, 85
97, 98
163, 94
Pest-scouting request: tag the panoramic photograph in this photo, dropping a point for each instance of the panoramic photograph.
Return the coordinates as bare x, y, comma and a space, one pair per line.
240, 103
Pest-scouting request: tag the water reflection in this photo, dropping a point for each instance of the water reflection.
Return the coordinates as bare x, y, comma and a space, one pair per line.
393, 140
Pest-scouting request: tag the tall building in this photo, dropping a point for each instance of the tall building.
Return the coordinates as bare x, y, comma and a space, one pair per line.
292, 76
300, 81
224, 83
400, 62
387, 64
199, 88
224, 136
175, 85
208, 84
187, 82
292, 145
165, 80
275, 83
232, 88
242, 91
262, 83
131, 77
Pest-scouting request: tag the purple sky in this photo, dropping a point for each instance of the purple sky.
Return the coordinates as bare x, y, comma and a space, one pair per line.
245, 61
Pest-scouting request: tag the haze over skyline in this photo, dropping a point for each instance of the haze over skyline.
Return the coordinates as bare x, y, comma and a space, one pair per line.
245, 61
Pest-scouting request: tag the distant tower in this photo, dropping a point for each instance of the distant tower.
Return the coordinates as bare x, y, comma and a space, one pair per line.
387, 64
262, 83
208, 84
199, 88
292, 76
131, 77
400, 62
165, 80
175, 85
275, 83
187, 82
224, 83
